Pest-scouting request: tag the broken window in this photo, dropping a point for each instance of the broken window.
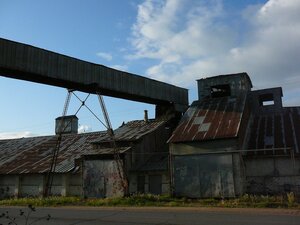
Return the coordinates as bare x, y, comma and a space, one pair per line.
220, 90
266, 99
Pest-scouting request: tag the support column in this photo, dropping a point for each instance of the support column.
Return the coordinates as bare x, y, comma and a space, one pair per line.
42, 185
17, 186
65, 185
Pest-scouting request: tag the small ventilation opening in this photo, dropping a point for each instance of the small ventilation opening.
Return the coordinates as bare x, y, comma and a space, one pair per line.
266, 100
220, 91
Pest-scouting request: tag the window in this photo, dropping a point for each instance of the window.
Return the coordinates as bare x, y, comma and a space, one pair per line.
266, 100
220, 91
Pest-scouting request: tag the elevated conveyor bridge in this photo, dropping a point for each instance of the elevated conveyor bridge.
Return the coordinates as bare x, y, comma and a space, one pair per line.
25, 62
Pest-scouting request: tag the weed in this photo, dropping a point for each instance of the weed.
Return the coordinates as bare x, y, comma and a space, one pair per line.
247, 200
11, 220
291, 199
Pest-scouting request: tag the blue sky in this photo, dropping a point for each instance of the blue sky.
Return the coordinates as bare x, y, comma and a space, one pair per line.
176, 41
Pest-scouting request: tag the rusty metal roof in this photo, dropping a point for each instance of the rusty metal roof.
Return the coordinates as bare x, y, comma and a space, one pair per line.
279, 131
133, 130
33, 155
210, 118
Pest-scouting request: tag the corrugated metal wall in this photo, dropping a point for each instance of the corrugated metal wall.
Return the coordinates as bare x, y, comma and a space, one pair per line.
101, 179
203, 176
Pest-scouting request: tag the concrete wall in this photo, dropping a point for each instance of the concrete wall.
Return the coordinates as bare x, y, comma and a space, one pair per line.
272, 175
75, 185
101, 179
32, 185
8, 186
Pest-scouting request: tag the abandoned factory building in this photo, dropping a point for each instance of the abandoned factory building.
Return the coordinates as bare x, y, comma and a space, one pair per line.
86, 164
232, 140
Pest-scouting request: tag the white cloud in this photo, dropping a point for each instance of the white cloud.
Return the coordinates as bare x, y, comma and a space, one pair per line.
104, 55
13, 135
120, 67
84, 128
193, 39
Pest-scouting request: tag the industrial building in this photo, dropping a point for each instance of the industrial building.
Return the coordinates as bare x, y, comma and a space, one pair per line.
86, 164
233, 141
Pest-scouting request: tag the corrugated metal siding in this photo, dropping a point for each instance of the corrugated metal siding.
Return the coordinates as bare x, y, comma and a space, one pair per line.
26, 62
203, 176
210, 119
157, 162
275, 131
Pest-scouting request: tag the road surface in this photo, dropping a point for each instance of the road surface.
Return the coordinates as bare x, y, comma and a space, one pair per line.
156, 216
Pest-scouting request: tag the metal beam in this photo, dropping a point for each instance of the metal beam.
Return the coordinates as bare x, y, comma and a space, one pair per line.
25, 62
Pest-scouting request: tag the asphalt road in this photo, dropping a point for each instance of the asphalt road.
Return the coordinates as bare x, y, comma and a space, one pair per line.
157, 216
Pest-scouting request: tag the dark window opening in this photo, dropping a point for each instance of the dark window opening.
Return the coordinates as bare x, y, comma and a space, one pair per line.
266, 99
220, 91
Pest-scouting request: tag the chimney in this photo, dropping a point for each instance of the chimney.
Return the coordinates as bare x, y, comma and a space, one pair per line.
146, 116
66, 125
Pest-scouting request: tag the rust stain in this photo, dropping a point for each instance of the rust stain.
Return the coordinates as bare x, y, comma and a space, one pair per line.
209, 119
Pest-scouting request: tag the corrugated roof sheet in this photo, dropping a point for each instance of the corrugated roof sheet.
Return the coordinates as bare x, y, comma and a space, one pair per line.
210, 118
33, 155
133, 130
275, 131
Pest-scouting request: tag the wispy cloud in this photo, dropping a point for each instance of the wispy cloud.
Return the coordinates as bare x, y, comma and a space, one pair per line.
13, 135
120, 67
104, 55
195, 39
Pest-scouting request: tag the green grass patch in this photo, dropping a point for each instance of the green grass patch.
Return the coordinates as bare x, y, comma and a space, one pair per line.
245, 201
50, 201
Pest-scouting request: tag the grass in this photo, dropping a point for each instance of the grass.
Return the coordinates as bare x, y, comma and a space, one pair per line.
245, 201
50, 201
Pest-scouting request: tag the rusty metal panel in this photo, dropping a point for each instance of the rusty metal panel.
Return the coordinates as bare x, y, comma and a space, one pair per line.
278, 130
210, 119
101, 179
203, 176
